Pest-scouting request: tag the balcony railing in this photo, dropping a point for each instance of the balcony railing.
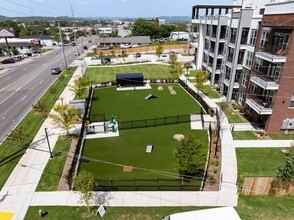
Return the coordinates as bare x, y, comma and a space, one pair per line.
213, 34
261, 106
274, 50
222, 36
211, 50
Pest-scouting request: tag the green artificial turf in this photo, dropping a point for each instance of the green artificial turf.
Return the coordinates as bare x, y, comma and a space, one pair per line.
244, 135
130, 149
131, 105
208, 91
150, 71
53, 170
12, 151
259, 162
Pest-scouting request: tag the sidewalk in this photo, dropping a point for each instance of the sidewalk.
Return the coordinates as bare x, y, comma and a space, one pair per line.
24, 179
244, 127
264, 143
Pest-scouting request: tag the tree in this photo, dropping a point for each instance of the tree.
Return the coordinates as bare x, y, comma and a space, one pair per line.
18, 135
172, 59
200, 78
182, 27
142, 27
285, 173
187, 66
178, 69
85, 184
64, 117
159, 51
14, 51
40, 107
23, 31
190, 156
79, 86
165, 29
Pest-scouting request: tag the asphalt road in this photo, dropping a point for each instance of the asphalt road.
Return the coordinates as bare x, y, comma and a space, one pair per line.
25, 83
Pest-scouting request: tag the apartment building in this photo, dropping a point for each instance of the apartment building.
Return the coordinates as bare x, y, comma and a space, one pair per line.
223, 37
270, 84
234, 44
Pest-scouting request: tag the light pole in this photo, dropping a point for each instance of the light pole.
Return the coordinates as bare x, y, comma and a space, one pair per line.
51, 156
61, 98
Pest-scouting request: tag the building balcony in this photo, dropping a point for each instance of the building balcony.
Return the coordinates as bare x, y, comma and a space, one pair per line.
204, 64
272, 54
206, 51
235, 86
260, 106
265, 82
209, 67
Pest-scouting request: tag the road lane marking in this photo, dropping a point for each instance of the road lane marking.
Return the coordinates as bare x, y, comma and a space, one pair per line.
1, 90
8, 77
23, 98
41, 81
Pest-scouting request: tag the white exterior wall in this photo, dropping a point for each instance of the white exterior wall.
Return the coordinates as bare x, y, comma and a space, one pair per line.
279, 8
179, 35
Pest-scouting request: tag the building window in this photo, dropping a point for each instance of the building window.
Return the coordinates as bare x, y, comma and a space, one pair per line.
248, 109
253, 88
244, 80
258, 63
292, 101
233, 35
253, 37
241, 99
261, 11
263, 39
249, 59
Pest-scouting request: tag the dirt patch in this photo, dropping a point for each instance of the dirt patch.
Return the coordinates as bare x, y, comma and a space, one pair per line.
173, 92
160, 88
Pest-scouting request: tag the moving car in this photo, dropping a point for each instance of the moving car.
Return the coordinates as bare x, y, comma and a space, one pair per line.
85, 47
138, 55
123, 46
164, 54
77, 53
55, 70
73, 44
106, 61
105, 48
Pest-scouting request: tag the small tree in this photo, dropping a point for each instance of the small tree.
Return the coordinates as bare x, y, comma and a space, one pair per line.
79, 86
172, 59
159, 51
85, 183
101, 54
18, 135
14, 51
200, 78
39, 107
52, 90
64, 117
285, 173
190, 156
178, 69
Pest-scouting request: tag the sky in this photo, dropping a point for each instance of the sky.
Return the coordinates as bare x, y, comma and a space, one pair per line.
102, 8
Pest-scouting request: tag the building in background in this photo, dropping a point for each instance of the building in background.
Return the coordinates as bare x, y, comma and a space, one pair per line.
233, 43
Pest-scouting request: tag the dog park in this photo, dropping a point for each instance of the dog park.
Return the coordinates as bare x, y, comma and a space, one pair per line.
136, 129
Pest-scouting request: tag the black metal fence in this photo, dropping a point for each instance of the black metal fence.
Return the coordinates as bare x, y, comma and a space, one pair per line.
196, 96
147, 185
154, 122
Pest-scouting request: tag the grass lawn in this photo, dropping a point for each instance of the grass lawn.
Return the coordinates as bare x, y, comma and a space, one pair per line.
265, 207
150, 71
281, 136
244, 135
129, 149
131, 105
208, 91
231, 115
53, 170
249, 208
259, 162
11, 151
112, 213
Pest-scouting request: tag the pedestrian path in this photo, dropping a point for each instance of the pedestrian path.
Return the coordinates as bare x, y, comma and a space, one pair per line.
264, 143
20, 186
244, 127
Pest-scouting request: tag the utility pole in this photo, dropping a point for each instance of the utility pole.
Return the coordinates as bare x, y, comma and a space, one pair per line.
62, 48
189, 37
75, 33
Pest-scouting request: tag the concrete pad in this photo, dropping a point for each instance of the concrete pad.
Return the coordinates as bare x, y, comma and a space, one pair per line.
151, 198
146, 86
132, 199
189, 198
116, 199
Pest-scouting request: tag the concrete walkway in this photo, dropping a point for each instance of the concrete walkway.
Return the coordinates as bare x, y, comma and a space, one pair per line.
264, 143
20, 186
244, 127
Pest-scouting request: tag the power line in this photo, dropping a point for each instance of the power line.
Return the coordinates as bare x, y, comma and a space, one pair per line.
14, 11
46, 6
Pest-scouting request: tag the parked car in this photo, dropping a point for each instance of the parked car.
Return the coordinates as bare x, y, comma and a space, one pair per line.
90, 41
73, 44
85, 47
17, 58
106, 61
55, 70
138, 55
105, 48
8, 60
161, 40
77, 53
164, 54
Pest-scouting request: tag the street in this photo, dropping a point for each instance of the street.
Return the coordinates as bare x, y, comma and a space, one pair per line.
25, 83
